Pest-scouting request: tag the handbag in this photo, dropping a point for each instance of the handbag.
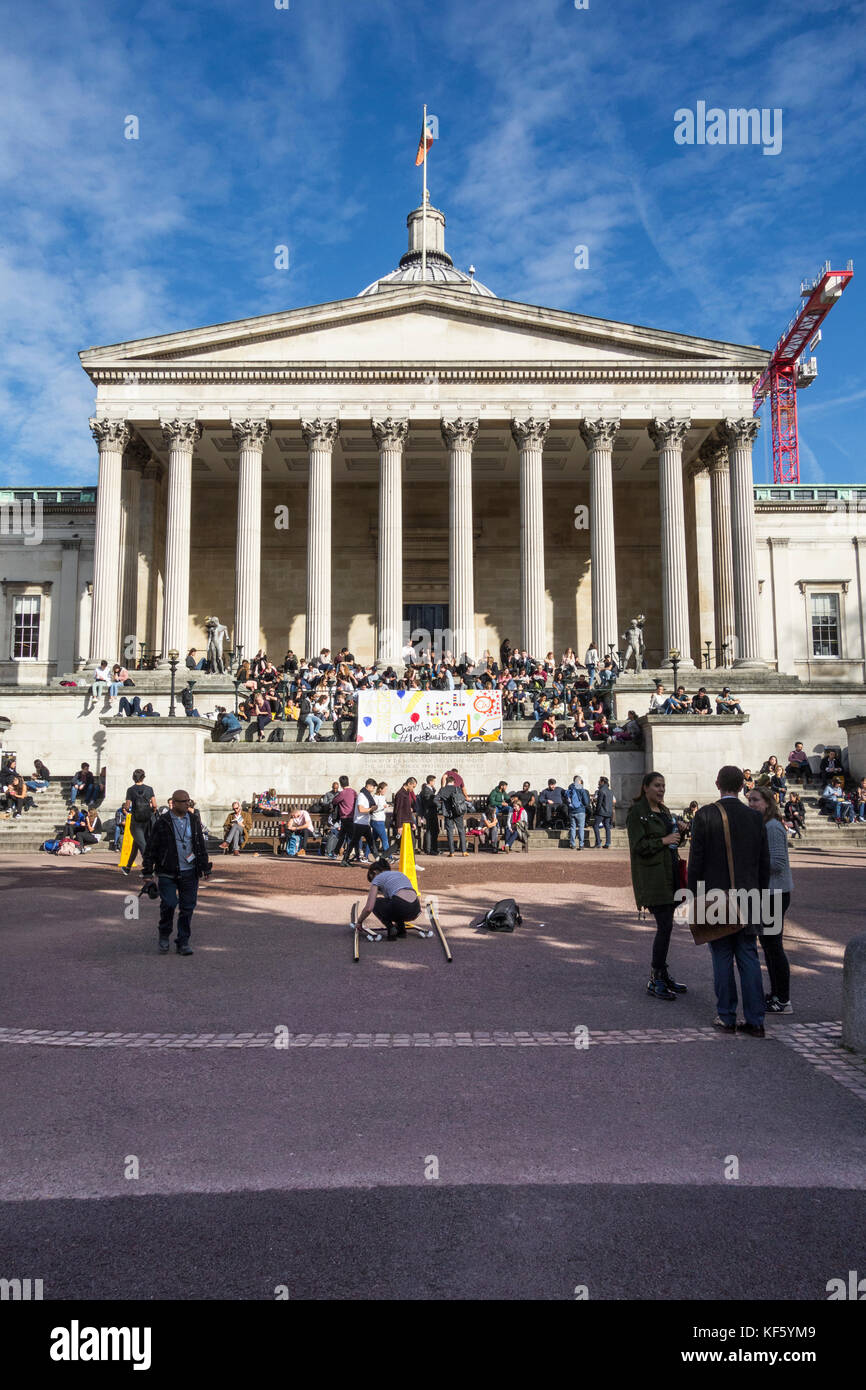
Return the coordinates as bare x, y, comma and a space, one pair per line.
704, 933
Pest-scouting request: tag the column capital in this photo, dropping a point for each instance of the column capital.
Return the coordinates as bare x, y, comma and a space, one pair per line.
138, 454
713, 456
390, 433
319, 433
668, 434
530, 430
598, 434
459, 431
181, 435
251, 434
739, 433
110, 434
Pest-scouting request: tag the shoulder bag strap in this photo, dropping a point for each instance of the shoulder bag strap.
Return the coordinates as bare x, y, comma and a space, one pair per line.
728, 848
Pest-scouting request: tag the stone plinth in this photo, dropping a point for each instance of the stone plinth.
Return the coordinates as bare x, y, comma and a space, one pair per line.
854, 995
171, 751
689, 749
855, 730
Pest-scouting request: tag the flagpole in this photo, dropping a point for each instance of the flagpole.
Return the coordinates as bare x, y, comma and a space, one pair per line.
424, 201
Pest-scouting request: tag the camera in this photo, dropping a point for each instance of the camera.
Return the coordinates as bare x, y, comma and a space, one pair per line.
150, 889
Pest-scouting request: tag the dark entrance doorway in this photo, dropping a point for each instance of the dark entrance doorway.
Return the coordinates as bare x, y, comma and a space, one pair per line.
425, 617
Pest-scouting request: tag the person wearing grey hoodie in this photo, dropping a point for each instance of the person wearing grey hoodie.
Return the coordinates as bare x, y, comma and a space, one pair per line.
778, 1001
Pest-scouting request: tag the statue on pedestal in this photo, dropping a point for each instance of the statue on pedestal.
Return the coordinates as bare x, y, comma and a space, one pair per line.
634, 643
217, 633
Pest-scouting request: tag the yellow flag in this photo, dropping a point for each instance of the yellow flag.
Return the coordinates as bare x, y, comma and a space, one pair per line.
126, 843
407, 855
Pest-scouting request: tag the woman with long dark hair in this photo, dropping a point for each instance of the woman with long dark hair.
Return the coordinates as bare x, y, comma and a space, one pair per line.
653, 837
778, 1001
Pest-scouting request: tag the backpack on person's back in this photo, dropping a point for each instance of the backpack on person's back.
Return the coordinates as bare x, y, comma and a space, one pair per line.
578, 798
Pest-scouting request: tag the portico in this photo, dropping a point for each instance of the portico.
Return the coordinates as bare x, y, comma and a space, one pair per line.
308, 473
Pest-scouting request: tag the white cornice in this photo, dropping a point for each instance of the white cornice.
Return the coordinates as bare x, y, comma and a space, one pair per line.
143, 372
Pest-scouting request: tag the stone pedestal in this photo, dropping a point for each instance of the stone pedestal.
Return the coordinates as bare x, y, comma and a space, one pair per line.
854, 995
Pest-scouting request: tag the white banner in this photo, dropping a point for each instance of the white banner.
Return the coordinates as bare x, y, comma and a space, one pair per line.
429, 716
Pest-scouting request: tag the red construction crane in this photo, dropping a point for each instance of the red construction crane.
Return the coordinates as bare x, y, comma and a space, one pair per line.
785, 373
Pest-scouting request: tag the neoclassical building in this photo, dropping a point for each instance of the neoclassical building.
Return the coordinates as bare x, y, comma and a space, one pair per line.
429, 456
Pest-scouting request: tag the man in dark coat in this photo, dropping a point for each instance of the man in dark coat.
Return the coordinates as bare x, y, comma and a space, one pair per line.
176, 856
708, 871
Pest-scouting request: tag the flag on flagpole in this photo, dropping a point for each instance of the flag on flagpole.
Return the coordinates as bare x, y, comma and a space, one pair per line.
426, 140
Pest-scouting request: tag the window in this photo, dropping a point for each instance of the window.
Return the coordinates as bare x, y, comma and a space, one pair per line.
825, 625
25, 627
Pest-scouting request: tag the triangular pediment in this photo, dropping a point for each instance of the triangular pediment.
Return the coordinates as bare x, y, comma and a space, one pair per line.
422, 325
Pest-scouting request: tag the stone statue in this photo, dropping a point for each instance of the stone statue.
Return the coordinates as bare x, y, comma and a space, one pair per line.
217, 633
634, 643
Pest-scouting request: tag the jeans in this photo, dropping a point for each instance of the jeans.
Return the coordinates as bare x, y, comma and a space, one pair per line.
741, 947
380, 833
861, 814
118, 836
87, 794
115, 688
347, 825
510, 837
576, 827
129, 707
599, 822
313, 724
775, 959
459, 825
431, 835
360, 833
844, 811
180, 893
664, 915
590, 674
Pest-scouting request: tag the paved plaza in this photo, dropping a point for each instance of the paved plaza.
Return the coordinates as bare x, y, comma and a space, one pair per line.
422, 1129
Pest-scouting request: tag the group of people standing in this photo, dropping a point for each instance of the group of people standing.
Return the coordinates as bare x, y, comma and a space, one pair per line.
734, 845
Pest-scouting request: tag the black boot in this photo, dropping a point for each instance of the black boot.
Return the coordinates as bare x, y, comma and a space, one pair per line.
671, 982
656, 986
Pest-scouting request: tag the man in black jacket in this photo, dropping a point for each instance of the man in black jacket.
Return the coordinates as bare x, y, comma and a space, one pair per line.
708, 871
176, 855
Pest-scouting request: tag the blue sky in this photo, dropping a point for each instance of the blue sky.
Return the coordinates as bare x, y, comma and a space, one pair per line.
262, 126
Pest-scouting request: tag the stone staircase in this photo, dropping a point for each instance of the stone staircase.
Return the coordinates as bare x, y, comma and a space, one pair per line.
47, 814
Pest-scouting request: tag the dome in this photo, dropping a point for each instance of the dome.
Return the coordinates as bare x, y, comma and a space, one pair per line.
428, 225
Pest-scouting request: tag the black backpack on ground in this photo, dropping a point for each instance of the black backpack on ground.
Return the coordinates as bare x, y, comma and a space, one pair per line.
503, 916
277, 736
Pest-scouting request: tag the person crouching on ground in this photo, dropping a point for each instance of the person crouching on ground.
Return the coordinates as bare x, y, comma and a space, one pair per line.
176, 856
391, 898
653, 837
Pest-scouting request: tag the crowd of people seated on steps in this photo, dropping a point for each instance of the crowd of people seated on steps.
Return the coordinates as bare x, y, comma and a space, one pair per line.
17, 791
841, 799
680, 702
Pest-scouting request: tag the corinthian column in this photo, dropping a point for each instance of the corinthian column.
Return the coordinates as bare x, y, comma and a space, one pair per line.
112, 437
667, 436
250, 436
460, 435
715, 455
181, 436
319, 437
390, 435
738, 435
529, 436
598, 436
135, 460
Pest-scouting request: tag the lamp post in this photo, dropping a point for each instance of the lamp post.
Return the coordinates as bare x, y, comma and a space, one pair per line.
674, 655
707, 644
725, 650
173, 658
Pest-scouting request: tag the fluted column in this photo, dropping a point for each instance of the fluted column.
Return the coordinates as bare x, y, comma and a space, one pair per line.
598, 436
390, 435
460, 435
738, 435
112, 437
181, 436
715, 454
667, 436
250, 436
319, 437
529, 436
135, 460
